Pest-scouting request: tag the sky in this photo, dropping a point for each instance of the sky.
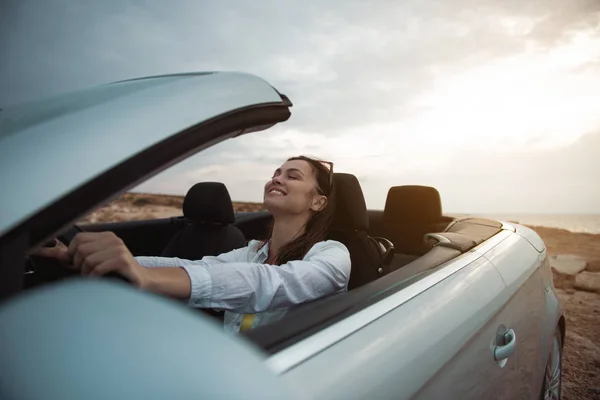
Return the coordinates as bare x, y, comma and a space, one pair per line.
494, 103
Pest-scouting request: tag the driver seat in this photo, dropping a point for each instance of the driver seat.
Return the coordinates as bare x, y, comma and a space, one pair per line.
208, 231
350, 225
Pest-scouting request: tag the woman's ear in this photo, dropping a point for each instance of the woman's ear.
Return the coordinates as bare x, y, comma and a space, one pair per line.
319, 203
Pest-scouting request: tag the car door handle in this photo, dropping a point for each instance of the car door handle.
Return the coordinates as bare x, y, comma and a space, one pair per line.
504, 351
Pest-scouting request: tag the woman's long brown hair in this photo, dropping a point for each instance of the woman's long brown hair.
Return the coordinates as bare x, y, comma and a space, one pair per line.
318, 225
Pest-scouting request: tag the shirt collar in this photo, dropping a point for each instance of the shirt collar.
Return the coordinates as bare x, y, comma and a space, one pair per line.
263, 251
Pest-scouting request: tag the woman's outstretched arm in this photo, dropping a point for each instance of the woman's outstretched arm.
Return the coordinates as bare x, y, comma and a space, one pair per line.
224, 281
245, 287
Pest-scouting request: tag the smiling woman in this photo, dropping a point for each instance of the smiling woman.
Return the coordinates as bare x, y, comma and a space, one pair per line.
255, 284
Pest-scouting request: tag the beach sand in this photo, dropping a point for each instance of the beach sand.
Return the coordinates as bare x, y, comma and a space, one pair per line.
580, 294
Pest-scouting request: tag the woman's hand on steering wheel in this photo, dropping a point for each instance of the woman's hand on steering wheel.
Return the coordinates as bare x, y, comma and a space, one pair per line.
59, 251
58, 248
97, 254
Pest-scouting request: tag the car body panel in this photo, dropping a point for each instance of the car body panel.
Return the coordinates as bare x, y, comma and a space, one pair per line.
101, 127
302, 350
436, 343
522, 268
94, 339
531, 236
382, 364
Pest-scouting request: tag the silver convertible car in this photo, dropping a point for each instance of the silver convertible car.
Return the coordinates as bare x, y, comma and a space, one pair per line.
437, 307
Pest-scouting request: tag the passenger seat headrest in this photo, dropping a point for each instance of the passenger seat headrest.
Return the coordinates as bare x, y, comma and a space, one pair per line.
413, 205
350, 206
208, 202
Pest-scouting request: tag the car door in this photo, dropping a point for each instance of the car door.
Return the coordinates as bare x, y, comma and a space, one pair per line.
519, 264
433, 339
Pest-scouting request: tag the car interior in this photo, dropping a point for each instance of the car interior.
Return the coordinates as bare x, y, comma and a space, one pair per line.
389, 248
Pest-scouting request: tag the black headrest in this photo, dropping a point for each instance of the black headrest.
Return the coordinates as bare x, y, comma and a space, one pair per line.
208, 202
413, 205
350, 206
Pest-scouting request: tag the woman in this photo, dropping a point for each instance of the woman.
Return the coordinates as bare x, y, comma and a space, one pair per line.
255, 284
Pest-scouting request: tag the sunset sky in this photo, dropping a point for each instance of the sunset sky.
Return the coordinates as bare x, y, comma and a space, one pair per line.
495, 103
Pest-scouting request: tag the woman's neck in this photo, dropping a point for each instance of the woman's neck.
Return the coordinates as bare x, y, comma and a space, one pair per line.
284, 231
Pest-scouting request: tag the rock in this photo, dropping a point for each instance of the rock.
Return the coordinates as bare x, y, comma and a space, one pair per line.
593, 266
568, 264
588, 281
563, 281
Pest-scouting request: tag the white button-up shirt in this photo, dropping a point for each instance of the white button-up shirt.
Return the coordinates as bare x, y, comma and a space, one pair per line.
240, 282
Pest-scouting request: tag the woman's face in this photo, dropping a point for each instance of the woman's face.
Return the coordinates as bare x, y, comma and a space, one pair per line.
293, 190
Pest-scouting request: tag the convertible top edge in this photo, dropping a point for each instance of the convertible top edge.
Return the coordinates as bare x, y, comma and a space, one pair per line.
183, 74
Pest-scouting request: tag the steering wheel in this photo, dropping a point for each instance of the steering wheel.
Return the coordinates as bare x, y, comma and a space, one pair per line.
45, 269
67, 236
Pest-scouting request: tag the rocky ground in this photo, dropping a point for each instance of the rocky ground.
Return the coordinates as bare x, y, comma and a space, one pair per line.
576, 267
139, 206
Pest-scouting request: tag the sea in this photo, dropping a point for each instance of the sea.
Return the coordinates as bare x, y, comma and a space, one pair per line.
587, 223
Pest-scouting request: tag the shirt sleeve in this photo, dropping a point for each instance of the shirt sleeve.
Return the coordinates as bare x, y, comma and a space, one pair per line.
245, 287
240, 254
